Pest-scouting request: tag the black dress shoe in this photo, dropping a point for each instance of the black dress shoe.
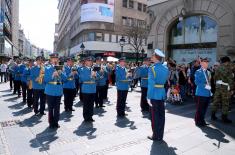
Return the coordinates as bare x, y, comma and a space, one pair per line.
57, 125
199, 125
71, 109
102, 106
42, 113
36, 113
152, 138
91, 120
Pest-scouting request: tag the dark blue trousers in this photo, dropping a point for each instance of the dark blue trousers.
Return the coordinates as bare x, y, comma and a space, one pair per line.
121, 102
88, 105
53, 109
39, 94
158, 118
143, 101
68, 98
202, 104
100, 95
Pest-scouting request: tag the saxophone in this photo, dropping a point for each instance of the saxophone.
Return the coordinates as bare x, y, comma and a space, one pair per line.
41, 74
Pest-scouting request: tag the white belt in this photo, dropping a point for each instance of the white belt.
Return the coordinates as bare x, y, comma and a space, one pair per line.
223, 83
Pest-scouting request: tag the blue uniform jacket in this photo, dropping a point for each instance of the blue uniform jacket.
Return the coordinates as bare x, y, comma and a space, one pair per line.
53, 89
16, 72
22, 67
69, 82
26, 75
34, 75
79, 73
143, 74
101, 78
157, 77
121, 81
88, 83
200, 82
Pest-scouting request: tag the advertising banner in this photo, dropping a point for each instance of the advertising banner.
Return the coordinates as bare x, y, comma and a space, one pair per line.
100, 12
185, 56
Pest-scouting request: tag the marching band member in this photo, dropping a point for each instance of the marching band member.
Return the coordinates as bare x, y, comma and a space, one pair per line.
69, 88
37, 77
54, 89
203, 92
101, 83
23, 79
157, 77
27, 72
122, 83
88, 89
17, 78
143, 74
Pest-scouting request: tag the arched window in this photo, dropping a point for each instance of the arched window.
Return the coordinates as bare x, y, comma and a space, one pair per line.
193, 30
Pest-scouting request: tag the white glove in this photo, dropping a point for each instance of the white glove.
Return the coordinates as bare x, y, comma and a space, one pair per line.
208, 87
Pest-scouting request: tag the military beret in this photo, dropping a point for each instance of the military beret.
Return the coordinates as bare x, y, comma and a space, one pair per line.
225, 59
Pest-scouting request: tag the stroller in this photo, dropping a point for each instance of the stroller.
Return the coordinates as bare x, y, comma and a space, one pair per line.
173, 95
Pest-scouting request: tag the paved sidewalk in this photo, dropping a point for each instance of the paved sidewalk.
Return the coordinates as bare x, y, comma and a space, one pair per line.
22, 133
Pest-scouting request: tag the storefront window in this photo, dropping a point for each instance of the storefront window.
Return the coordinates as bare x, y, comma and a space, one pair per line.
192, 29
177, 34
209, 30
8, 48
195, 29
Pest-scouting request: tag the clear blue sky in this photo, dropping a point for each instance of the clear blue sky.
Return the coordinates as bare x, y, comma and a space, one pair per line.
38, 18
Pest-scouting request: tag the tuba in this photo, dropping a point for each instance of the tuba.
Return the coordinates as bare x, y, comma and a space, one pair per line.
41, 74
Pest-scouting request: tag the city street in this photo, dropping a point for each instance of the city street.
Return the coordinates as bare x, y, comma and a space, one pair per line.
23, 133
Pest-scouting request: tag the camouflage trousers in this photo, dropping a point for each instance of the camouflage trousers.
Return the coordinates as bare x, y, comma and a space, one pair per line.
221, 99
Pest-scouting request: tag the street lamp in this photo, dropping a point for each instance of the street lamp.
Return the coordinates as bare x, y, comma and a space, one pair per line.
82, 48
122, 44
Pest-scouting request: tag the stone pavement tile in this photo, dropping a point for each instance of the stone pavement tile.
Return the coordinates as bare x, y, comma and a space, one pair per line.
19, 140
64, 153
189, 142
197, 151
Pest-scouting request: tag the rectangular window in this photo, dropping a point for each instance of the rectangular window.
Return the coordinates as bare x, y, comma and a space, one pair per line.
140, 6
114, 38
131, 4
106, 37
124, 20
91, 36
124, 3
144, 8
99, 37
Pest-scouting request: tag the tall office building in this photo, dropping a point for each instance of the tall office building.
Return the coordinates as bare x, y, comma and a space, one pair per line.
99, 25
9, 26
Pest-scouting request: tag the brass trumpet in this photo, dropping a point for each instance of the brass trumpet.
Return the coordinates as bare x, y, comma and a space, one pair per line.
41, 75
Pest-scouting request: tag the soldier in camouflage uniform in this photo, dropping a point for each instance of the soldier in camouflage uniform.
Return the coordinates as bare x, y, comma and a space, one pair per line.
224, 87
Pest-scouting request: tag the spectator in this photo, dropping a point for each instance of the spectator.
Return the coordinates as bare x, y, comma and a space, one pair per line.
182, 81
3, 69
